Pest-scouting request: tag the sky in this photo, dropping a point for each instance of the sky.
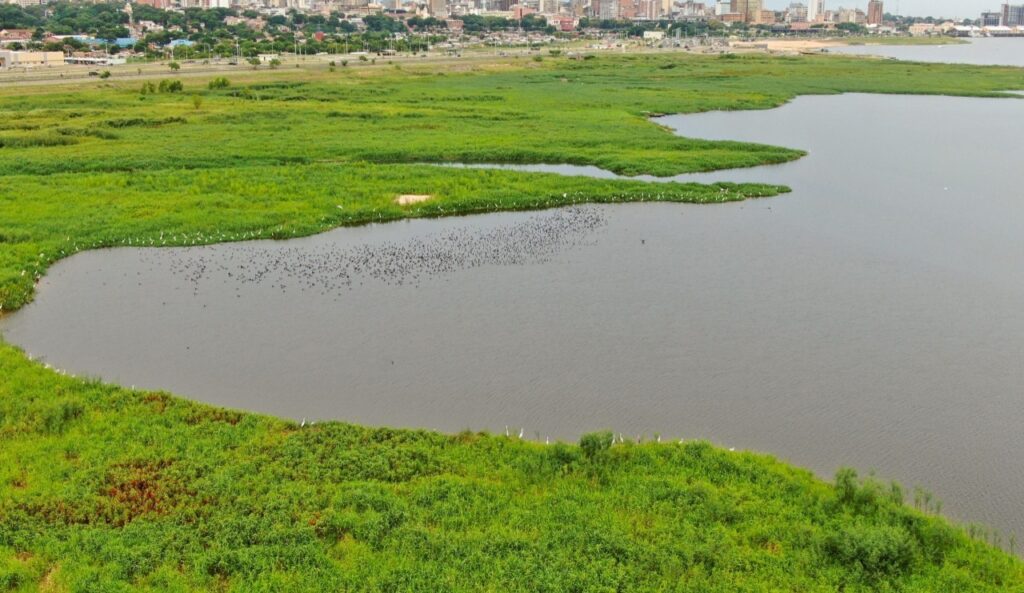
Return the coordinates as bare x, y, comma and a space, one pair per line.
947, 8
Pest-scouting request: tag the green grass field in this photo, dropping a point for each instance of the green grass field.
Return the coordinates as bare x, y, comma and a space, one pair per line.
108, 489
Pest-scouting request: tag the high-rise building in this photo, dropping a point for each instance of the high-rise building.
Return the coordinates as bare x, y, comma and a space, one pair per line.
607, 9
816, 11
1013, 15
749, 10
875, 13
796, 13
991, 19
439, 9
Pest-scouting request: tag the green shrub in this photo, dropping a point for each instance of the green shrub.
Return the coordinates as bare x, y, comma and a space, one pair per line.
879, 552
219, 83
594, 443
170, 86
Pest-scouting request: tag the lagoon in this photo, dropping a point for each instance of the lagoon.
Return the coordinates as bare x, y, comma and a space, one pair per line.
870, 318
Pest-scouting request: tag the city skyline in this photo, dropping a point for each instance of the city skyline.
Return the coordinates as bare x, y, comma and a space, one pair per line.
944, 8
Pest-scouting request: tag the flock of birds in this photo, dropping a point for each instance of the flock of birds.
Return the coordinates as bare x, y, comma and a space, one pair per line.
330, 268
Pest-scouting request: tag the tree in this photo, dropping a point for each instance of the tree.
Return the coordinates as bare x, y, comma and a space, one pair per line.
174, 66
274, 63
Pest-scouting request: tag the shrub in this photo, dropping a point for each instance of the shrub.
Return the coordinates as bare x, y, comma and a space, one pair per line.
174, 66
274, 63
594, 443
555, 52
197, 101
170, 86
362, 58
561, 454
219, 83
879, 552
105, 74
538, 58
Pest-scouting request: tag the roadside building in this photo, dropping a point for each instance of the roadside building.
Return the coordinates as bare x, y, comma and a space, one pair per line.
563, 23
29, 59
921, 29
12, 36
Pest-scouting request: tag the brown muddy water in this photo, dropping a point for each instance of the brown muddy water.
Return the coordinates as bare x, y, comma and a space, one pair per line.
872, 318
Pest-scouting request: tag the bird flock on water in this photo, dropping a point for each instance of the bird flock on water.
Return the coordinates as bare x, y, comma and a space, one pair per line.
330, 268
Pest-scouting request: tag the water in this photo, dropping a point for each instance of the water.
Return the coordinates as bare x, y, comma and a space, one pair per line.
992, 51
870, 318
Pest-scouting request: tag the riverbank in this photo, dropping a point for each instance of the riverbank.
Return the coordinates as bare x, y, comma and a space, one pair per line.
128, 490
819, 45
121, 489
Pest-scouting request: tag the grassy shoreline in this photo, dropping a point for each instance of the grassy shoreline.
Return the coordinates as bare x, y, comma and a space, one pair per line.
108, 489
938, 40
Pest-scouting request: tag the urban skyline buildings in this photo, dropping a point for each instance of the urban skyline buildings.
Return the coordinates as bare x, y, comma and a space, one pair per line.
815, 10
875, 12
1012, 15
749, 10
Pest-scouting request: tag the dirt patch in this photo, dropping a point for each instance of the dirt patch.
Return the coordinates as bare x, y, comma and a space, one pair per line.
407, 199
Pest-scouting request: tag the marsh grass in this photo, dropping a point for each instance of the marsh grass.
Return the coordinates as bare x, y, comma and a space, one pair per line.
108, 489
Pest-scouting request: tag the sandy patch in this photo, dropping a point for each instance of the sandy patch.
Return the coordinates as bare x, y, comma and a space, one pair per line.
799, 44
407, 199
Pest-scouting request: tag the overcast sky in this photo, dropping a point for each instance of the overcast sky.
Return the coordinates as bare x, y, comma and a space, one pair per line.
946, 8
